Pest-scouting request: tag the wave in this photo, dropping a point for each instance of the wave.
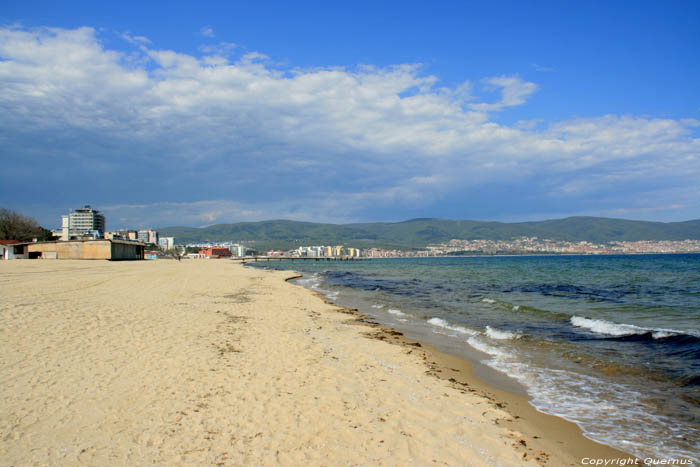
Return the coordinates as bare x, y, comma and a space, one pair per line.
498, 354
600, 326
536, 311
378, 306
444, 324
396, 312
494, 333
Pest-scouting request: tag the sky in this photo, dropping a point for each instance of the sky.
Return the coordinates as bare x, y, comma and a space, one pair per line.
197, 113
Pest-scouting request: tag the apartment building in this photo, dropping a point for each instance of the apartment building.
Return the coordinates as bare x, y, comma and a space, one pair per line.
83, 222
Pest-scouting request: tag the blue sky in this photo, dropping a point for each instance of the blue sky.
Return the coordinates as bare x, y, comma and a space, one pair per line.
199, 113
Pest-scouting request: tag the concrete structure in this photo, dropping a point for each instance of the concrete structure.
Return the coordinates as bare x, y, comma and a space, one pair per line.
12, 249
83, 222
114, 250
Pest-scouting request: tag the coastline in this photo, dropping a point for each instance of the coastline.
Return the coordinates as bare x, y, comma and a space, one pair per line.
549, 439
206, 362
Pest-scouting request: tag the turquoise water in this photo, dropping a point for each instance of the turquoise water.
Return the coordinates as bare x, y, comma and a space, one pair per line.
609, 342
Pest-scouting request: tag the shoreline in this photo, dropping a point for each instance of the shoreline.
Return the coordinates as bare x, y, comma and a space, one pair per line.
209, 362
541, 436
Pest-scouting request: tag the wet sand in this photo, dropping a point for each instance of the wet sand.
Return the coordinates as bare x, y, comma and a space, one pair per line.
205, 362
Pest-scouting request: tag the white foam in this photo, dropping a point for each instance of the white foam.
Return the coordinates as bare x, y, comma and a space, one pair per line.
661, 334
488, 300
444, 324
332, 295
395, 312
494, 333
488, 349
603, 409
600, 326
378, 306
516, 308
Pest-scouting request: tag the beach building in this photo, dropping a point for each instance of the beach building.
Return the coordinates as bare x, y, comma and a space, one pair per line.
114, 250
12, 249
214, 252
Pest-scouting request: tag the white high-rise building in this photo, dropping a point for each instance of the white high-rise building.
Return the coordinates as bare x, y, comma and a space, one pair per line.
166, 243
81, 222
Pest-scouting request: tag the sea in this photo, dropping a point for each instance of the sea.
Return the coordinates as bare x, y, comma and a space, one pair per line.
611, 343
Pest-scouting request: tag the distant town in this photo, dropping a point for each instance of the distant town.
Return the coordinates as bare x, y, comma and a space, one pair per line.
86, 224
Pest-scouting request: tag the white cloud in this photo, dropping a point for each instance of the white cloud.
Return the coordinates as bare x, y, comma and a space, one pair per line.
207, 31
364, 137
514, 91
137, 40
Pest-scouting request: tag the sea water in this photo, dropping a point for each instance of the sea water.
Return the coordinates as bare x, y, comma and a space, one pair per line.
611, 343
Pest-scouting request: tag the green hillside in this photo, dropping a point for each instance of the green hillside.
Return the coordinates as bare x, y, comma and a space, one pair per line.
418, 233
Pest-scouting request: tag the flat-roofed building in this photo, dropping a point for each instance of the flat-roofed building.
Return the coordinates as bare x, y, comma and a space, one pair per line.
12, 249
83, 222
237, 250
166, 243
114, 250
215, 252
148, 236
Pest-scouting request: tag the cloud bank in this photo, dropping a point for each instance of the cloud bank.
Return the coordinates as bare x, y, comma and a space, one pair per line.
226, 137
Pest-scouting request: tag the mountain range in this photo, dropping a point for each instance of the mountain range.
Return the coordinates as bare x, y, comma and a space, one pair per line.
418, 233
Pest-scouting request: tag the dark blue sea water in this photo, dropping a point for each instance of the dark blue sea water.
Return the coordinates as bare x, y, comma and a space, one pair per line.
609, 342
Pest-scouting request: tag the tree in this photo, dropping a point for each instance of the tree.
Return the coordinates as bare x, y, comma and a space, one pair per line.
15, 226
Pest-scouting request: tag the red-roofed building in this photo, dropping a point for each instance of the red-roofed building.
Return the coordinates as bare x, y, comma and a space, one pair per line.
214, 252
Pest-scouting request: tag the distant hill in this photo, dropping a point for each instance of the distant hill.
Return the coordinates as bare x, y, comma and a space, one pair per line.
417, 233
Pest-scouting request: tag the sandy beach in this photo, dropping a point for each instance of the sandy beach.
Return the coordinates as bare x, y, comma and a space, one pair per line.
210, 363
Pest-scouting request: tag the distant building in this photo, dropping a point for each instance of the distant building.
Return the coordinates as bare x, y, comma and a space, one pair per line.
237, 250
166, 243
147, 236
84, 223
12, 249
215, 252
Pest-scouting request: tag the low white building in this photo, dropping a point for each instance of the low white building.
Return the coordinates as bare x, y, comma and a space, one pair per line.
12, 249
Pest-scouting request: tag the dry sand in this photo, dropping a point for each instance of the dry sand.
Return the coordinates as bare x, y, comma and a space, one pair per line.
208, 362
